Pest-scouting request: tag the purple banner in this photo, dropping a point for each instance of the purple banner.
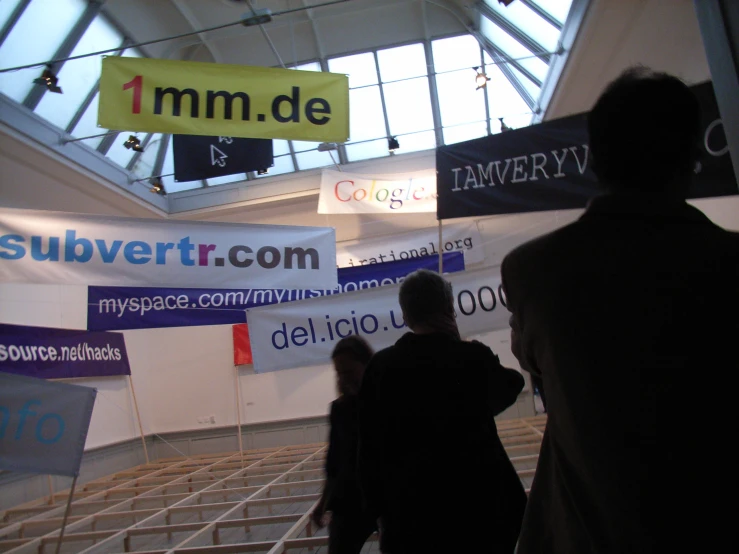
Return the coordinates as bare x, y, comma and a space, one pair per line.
48, 353
116, 308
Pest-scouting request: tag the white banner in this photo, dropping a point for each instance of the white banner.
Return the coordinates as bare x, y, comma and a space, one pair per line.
304, 333
55, 247
346, 193
459, 237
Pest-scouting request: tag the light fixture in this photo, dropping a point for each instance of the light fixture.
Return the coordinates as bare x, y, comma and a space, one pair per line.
133, 143
49, 80
506, 3
157, 187
393, 144
503, 126
258, 16
326, 146
481, 80
262, 171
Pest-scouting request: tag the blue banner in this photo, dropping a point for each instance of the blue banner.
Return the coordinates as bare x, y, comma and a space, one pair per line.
111, 308
43, 425
49, 353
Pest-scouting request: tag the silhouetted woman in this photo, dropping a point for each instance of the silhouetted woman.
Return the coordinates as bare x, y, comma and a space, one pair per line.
349, 526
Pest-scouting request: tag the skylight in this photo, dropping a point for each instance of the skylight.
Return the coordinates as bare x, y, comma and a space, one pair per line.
422, 93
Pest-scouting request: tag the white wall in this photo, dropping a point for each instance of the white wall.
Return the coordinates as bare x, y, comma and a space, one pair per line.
182, 374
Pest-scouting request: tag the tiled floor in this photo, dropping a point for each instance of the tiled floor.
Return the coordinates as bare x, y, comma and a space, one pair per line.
221, 503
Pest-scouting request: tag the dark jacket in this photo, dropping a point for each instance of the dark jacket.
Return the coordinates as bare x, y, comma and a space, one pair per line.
630, 317
431, 463
341, 461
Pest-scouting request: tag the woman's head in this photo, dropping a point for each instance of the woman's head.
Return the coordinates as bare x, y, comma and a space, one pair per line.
350, 356
427, 301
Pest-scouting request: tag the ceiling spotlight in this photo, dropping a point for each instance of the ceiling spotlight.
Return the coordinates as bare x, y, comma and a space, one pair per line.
481, 80
49, 80
392, 144
157, 187
262, 171
503, 126
133, 143
258, 16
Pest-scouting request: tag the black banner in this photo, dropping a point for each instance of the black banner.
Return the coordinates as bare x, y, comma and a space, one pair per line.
547, 167
198, 157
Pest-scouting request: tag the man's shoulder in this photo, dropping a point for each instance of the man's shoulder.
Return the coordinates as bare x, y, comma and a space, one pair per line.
380, 359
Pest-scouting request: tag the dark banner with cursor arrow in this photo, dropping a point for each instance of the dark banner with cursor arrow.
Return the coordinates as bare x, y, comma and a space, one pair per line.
198, 157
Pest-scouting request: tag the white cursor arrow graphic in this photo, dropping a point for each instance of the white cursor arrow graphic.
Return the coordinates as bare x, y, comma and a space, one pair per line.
217, 157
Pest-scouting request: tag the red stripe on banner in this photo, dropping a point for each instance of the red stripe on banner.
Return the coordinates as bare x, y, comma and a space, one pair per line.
242, 345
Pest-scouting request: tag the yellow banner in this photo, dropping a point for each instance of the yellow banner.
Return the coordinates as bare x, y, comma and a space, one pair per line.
193, 98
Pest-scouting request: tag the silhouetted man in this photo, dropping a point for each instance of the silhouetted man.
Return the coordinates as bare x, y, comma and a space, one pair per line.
629, 315
431, 464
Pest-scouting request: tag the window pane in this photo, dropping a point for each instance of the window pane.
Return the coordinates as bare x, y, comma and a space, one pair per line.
90, 117
556, 8
35, 38
503, 100
408, 106
7, 7
280, 148
366, 120
529, 22
367, 150
118, 153
459, 101
462, 133
144, 166
416, 142
283, 164
531, 87
402, 62
226, 179
311, 66
360, 68
79, 76
302, 146
314, 158
514, 49
87, 125
455, 53
170, 185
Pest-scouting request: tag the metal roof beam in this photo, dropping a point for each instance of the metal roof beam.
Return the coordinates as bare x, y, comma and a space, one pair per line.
537, 49
545, 15
431, 73
504, 58
520, 89
13, 19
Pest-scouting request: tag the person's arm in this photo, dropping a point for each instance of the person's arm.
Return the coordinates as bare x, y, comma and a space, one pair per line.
509, 274
505, 384
370, 441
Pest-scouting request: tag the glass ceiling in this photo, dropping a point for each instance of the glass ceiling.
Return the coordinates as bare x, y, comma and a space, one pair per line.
422, 93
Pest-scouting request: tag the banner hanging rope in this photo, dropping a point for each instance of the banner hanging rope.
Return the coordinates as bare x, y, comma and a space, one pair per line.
138, 418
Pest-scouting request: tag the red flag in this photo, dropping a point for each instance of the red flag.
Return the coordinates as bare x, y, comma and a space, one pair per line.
242, 345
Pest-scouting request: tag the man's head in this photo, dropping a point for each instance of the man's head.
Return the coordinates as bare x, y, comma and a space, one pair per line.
426, 298
644, 133
350, 356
